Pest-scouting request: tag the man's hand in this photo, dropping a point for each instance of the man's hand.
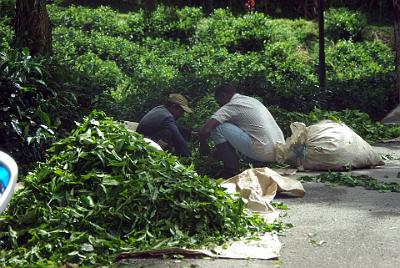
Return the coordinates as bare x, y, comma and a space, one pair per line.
162, 144
204, 134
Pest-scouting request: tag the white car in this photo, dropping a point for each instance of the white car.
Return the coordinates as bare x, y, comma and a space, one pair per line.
8, 179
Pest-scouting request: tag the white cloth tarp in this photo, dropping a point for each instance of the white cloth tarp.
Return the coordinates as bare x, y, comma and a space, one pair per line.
326, 145
131, 125
258, 187
267, 247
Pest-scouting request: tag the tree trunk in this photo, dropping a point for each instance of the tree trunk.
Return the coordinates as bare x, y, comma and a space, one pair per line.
32, 26
321, 66
396, 13
208, 6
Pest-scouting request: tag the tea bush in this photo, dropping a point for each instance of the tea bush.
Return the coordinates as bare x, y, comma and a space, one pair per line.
171, 22
300, 31
103, 73
182, 50
136, 23
202, 111
188, 18
119, 67
102, 19
87, 56
7, 8
342, 23
375, 95
119, 50
33, 107
208, 30
6, 33
290, 76
361, 76
348, 60
161, 21
251, 32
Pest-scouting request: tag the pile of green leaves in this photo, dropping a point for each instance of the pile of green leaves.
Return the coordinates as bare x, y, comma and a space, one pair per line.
347, 179
104, 190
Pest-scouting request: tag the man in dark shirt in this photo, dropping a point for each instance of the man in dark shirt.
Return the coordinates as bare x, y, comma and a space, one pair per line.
159, 124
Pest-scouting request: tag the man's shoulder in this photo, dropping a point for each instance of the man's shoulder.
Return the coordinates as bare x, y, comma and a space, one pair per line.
239, 98
157, 114
161, 109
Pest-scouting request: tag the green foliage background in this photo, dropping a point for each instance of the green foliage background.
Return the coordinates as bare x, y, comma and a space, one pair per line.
125, 63
140, 57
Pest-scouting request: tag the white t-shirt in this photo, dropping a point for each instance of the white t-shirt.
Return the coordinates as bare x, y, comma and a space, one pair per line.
253, 117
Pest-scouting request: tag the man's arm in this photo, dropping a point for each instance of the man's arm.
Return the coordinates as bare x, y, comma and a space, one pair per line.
185, 131
179, 142
204, 134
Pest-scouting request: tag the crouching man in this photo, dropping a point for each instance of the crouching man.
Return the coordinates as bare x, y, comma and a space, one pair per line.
242, 124
160, 125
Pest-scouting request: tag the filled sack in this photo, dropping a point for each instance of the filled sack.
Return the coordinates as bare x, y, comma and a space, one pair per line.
326, 145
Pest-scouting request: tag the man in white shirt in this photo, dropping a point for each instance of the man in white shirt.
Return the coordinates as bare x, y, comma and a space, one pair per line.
241, 124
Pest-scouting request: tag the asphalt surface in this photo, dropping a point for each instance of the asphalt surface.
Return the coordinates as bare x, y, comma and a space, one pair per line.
334, 226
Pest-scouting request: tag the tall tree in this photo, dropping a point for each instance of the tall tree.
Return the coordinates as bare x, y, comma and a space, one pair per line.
32, 26
396, 13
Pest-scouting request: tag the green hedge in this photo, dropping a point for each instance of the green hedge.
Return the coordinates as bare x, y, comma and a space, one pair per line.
7, 8
348, 60
342, 23
6, 33
251, 32
102, 19
35, 109
182, 50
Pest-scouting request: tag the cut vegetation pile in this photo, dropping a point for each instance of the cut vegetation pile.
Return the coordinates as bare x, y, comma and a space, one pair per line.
103, 190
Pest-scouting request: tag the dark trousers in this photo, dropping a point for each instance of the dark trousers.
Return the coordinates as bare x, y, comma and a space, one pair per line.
231, 160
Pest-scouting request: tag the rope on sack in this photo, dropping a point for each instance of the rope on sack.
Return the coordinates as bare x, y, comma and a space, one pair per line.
300, 151
299, 154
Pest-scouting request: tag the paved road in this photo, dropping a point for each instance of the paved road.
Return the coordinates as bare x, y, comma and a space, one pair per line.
334, 226
338, 226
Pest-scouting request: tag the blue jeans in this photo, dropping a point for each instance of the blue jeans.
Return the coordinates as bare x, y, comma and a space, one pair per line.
240, 140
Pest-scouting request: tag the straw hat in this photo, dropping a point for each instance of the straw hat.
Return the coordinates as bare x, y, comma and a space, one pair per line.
180, 100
